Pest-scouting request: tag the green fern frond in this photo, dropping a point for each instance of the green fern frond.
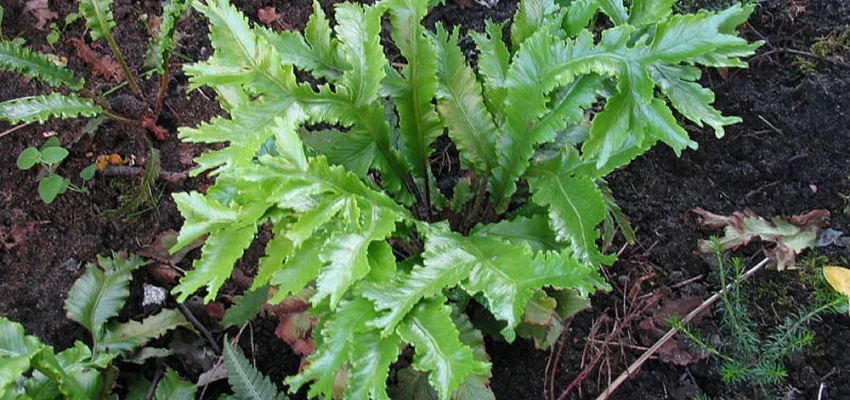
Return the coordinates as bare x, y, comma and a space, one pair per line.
163, 43
19, 58
460, 103
43, 107
245, 380
101, 292
415, 89
429, 328
576, 208
133, 334
171, 387
99, 18
16, 352
315, 51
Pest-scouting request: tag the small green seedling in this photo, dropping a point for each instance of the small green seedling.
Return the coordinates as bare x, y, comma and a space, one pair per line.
50, 156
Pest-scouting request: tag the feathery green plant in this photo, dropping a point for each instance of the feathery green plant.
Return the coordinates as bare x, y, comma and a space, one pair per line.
356, 213
745, 356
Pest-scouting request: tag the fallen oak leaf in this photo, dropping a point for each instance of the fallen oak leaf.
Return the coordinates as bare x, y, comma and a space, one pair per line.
40, 10
104, 67
791, 235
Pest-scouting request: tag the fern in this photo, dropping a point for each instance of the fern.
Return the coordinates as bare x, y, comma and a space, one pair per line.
41, 108
101, 292
171, 387
357, 215
247, 383
101, 22
18, 58
99, 18
163, 43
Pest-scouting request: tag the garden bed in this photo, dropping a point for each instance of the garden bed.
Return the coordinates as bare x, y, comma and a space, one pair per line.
790, 155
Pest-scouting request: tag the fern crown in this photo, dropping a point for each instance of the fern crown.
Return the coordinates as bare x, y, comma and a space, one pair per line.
523, 217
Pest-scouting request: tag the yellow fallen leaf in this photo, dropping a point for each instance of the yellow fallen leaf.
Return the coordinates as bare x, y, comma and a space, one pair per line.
838, 278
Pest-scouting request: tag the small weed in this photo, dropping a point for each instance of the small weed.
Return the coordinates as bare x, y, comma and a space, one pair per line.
748, 355
50, 157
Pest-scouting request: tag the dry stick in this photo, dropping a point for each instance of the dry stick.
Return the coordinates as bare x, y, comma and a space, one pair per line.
14, 128
672, 332
199, 326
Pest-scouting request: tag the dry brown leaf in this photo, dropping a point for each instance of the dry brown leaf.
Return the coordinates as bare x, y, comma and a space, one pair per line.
164, 275
677, 350
295, 329
13, 236
159, 248
791, 235
104, 67
186, 155
267, 15
215, 310
157, 131
41, 12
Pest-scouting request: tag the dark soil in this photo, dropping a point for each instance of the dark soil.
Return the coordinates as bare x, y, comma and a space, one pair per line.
791, 155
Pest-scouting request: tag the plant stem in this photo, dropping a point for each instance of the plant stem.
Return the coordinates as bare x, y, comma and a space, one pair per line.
131, 80
118, 117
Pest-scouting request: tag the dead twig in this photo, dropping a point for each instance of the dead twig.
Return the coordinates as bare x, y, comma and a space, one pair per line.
14, 128
199, 326
175, 178
635, 366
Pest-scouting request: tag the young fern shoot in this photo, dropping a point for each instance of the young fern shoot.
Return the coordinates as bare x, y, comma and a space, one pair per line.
338, 205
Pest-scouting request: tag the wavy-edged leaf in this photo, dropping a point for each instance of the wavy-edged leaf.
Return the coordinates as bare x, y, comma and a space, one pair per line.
99, 19
345, 256
529, 18
534, 230
300, 268
277, 249
645, 12
43, 107
371, 358
101, 292
419, 123
316, 51
242, 56
688, 97
334, 344
475, 386
249, 128
220, 252
358, 30
493, 61
528, 119
460, 103
576, 208
19, 58
508, 275
246, 381
579, 15
446, 263
429, 328
245, 307
681, 37
171, 387
16, 351
133, 334
163, 43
